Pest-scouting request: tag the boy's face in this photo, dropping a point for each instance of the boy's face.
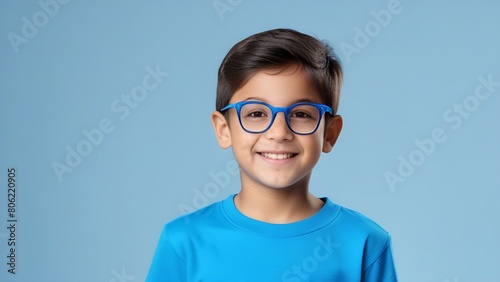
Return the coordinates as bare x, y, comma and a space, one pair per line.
276, 158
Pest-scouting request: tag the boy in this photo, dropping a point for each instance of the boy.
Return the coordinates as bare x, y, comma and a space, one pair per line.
277, 95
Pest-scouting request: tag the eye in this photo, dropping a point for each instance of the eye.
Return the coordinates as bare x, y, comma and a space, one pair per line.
256, 114
300, 114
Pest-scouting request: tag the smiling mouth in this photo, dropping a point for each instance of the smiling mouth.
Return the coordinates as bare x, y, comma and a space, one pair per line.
277, 156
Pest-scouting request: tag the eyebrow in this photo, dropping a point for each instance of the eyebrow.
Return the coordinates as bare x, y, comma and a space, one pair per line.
294, 102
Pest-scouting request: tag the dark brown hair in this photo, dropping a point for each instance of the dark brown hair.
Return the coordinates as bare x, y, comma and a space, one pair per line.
275, 49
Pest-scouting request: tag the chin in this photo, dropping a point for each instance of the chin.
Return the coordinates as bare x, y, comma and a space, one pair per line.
281, 185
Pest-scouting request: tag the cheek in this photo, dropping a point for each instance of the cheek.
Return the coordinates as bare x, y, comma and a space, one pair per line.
313, 145
242, 139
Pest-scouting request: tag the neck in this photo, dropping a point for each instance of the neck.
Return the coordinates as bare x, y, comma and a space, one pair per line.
277, 205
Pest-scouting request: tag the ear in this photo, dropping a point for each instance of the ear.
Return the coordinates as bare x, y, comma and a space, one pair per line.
221, 129
332, 132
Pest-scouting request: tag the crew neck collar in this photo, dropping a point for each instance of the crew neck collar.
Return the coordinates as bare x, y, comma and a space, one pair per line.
320, 219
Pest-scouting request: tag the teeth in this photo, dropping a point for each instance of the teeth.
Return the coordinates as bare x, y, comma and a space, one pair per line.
277, 156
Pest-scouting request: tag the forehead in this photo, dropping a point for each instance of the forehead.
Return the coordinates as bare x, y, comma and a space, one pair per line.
279, 87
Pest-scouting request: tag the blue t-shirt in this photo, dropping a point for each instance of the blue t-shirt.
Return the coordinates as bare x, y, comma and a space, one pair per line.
220, 244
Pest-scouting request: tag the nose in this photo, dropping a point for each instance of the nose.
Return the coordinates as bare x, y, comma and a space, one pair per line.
279, 130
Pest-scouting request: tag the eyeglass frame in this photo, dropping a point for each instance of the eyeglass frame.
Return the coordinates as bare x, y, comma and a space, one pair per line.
275, 110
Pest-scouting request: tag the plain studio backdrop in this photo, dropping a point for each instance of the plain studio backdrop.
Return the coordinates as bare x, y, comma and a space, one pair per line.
105, 119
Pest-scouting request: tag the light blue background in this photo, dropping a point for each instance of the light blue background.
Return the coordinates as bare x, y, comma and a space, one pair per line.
102, 222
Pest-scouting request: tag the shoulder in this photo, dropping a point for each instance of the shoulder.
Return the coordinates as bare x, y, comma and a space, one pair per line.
363, 226
359, 219
374, 240
193, 223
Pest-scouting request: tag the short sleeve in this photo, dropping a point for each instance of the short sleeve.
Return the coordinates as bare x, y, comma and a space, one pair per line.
382, 269
166, 266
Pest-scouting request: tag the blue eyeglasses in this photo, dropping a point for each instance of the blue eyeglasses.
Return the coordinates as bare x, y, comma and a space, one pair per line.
302, 118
